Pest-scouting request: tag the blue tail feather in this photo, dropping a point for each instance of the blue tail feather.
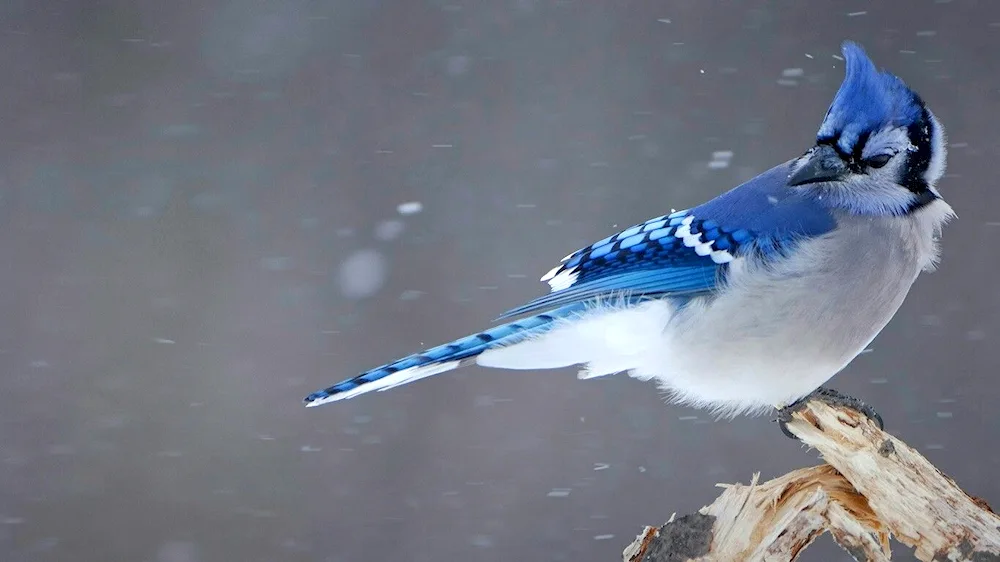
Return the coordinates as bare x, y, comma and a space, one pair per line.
462, 350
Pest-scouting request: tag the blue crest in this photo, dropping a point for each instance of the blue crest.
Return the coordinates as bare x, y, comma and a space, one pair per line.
868, 100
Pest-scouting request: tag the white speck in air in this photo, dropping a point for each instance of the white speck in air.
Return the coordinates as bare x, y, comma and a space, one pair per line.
720, 159
410, 208
389, 229
481, 541
362, 274
178, 551
975, 335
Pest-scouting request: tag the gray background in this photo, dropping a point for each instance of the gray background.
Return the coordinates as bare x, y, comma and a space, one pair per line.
199, 225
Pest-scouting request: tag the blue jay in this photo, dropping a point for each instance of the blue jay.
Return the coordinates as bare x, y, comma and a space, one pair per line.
754, 299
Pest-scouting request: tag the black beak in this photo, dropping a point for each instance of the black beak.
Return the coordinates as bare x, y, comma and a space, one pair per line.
824, 164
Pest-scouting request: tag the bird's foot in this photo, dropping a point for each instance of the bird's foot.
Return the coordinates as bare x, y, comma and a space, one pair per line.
831, 397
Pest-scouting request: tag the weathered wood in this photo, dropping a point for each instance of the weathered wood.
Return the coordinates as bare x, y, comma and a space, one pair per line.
873, 485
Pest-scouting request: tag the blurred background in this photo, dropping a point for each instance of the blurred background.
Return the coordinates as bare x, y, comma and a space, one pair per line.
209, 209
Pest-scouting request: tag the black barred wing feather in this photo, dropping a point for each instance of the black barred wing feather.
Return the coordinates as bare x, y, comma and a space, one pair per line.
676, 254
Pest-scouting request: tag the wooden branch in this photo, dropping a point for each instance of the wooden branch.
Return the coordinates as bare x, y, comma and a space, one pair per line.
874, 485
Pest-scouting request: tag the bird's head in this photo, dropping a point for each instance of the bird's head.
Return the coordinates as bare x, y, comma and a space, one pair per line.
879, 150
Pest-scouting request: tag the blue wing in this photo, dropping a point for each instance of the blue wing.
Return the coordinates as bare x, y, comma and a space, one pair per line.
677, 254
686, 253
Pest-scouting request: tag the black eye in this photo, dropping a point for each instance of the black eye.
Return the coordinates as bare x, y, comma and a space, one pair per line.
878, 160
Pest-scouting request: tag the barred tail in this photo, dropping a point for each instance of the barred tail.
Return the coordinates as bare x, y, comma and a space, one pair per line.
442, 358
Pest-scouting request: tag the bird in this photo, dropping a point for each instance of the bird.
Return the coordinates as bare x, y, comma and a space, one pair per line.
752, 300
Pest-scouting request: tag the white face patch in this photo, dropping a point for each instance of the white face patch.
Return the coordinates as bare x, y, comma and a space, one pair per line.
939, 152
887, 141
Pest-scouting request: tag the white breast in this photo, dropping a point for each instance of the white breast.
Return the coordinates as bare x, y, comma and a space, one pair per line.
775, 335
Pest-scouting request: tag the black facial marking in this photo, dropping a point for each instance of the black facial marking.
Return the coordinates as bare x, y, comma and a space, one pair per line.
859, 147
833, 142
852, 159
920, 134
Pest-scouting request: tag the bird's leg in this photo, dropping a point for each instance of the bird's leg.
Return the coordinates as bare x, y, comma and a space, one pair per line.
831, 397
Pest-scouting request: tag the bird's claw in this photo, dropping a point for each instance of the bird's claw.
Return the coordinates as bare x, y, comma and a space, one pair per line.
831, 397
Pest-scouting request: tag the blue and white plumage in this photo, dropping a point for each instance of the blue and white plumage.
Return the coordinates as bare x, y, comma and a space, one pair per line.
753, 299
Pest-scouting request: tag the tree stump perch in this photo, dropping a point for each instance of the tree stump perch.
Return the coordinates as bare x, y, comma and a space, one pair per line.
873, 486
